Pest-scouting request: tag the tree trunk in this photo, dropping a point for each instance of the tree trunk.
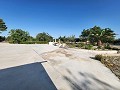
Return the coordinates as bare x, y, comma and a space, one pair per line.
99, 43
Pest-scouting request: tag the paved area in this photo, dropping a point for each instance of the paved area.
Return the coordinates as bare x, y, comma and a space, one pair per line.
26, 77
62, 69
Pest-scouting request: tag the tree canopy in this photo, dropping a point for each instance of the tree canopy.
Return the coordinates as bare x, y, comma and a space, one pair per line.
94, 35
63, 39
44, 37
2, 26
18, 36
67, 39
97, 34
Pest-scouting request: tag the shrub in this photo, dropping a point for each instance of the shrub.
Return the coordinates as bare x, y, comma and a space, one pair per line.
107, 46
41, 42
112, 62
99, 47
80, 45
31, 42
98, 57
71, 45
10, 42
88, 46
28, 42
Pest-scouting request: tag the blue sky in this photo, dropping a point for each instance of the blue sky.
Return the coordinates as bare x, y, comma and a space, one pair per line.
60, 17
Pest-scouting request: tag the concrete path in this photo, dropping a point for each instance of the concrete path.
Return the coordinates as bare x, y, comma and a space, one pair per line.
65, 69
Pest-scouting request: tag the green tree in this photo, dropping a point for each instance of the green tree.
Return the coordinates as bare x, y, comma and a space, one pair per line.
71, 38
2, 38
44, 37
2, 26
96, 34
63, 38
108, 35
84, 35
18, 36
30, 38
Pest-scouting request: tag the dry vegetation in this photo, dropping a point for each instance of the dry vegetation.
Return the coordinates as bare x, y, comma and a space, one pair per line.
112, 62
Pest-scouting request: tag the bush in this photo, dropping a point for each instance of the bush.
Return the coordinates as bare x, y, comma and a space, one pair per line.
98, 57
28, 42
41, 42
107, 46
31, 42
80, 45
71, 45
112, 62
99, 47
88, 46
10, 42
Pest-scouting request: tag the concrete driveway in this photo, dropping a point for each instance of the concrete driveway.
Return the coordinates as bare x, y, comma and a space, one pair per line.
64, 69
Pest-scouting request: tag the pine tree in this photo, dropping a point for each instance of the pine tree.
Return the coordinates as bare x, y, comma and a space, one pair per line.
2, 26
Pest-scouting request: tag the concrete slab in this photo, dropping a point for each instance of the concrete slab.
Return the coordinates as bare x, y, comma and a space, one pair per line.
80, 71
66, 69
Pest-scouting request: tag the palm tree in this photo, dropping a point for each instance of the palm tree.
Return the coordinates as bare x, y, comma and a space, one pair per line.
96, 34
102, 35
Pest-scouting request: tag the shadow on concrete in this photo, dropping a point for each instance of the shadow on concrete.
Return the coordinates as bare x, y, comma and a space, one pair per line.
87, 81
93, 58
26, 77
